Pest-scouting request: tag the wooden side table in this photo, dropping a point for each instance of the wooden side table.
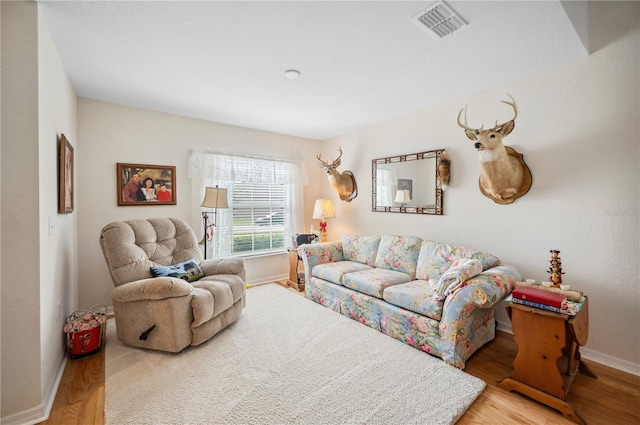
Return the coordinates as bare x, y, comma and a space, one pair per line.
296, 270
548, 355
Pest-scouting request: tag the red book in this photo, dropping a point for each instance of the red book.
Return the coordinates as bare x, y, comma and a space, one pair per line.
540, 296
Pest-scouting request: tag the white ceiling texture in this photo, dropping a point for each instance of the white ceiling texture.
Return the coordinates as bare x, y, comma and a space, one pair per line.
361, 62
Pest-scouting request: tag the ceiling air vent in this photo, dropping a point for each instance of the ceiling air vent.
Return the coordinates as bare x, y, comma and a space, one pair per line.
438, 20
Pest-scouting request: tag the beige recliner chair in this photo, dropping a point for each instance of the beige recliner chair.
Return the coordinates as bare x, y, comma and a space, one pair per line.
168, 313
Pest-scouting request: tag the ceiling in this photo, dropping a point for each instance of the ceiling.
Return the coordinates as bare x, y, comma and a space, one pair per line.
361, 62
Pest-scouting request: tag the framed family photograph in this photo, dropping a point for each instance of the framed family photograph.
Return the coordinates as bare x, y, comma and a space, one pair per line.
65, 176
142, 184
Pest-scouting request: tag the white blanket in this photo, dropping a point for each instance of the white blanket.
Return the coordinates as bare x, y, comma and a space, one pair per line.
461, 270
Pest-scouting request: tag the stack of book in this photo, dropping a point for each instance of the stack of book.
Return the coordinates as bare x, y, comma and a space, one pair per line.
539, 298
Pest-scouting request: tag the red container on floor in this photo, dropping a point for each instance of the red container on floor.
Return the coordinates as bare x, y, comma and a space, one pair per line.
85, 343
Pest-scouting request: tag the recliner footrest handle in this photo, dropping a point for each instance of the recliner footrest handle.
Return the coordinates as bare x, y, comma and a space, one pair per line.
145, 334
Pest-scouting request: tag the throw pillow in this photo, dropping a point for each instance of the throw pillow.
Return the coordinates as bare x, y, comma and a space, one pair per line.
187, 270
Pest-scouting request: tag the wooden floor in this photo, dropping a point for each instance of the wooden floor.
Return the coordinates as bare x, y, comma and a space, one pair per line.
613, 398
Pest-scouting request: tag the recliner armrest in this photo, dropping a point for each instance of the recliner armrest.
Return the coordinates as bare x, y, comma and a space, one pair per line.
224, 266
155, 288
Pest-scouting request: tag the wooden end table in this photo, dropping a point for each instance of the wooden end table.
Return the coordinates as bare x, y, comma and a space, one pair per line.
548, 355
295, 269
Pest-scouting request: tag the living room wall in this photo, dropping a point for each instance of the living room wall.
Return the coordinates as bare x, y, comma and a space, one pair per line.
38, 245
577, 128
113, 133
578, 131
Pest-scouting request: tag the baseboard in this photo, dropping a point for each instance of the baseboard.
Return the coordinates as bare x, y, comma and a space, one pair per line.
607, 360
50, 395
591, 355
268, 279
28, 417
41, 412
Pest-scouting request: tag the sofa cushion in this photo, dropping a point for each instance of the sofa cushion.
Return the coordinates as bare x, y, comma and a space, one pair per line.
487, 260
374, 281
333, 272
235, 283
415, 296
435, 258
362, 249
222, 296
399, 253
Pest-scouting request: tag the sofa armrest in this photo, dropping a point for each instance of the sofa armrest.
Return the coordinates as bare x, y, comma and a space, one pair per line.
224, 266
488, 288
482, 291
319, 253
155, 288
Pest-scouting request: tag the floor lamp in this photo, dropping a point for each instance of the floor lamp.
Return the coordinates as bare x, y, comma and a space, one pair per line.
214, 197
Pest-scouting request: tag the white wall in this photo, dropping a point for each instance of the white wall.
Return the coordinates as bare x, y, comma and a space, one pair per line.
20, 202
38, 268
58, 232
112, 133
578, 130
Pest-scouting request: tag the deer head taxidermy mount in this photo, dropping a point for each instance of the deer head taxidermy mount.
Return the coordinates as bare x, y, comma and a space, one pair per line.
504, 176
343, 182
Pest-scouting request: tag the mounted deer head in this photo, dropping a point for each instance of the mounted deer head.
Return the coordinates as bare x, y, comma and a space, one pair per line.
343, 182
503, 174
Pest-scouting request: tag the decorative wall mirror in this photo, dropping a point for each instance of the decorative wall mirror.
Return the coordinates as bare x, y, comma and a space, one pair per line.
408, 184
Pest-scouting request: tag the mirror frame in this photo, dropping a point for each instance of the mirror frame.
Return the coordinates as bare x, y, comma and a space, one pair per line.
436, 210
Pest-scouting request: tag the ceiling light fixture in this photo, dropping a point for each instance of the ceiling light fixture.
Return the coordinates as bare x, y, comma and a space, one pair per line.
292, 74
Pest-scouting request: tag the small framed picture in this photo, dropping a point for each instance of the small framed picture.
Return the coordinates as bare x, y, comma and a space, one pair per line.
142, 184
65, 176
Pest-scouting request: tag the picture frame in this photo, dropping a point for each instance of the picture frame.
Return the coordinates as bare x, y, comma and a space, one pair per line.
160, 191
65, 176
406, 184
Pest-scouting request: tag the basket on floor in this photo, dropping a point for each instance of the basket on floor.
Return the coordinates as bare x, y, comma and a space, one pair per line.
84, 329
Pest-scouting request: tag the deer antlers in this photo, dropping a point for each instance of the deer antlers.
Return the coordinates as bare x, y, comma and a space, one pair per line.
324, 164
466, 127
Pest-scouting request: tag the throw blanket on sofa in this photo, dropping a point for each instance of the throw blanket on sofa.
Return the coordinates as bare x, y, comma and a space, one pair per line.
461, 270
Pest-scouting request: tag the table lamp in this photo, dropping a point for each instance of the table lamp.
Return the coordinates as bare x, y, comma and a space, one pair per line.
322, 210
402, 196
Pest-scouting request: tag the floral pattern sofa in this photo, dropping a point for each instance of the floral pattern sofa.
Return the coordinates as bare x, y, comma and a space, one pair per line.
382, 281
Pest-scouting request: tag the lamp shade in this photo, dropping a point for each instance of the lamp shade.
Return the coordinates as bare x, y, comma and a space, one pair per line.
402, 196
324, 209
215, 197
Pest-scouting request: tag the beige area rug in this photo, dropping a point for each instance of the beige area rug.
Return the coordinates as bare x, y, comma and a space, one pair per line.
287, 360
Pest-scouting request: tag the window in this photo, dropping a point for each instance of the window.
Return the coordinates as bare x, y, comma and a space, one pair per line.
264, 199
258, 217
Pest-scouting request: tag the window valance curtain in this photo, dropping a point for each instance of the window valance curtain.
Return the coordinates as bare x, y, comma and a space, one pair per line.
205, 165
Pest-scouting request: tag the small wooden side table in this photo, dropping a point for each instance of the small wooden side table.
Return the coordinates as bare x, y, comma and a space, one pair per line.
548, 355
296, 270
